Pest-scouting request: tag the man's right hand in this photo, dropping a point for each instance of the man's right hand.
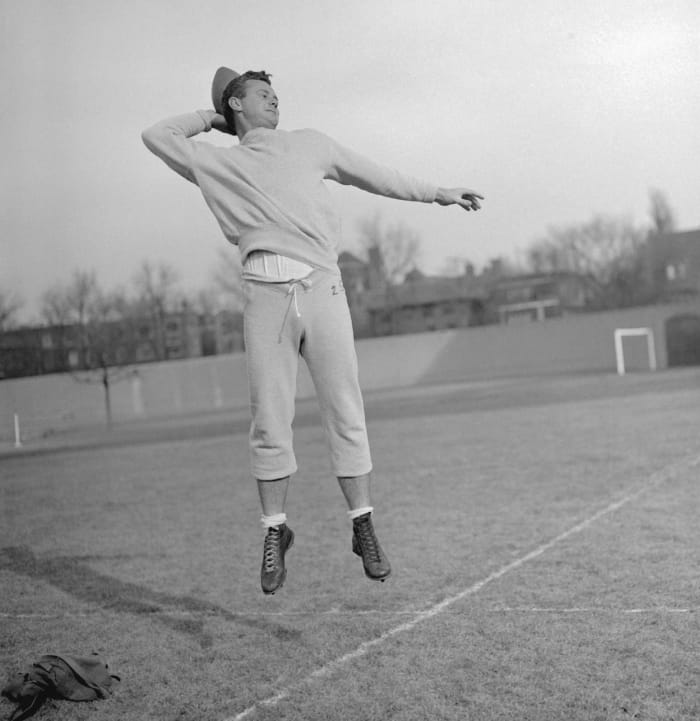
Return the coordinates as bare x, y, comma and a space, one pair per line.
218, 122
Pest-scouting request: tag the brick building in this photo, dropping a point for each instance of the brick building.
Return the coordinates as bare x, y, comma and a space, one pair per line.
538, 296
39, 350
425, 303
674, 265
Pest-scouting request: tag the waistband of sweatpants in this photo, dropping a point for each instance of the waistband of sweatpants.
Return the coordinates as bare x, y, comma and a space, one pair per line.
283, 286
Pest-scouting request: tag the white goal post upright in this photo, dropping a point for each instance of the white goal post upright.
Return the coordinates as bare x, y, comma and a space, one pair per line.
18, 432
621, 333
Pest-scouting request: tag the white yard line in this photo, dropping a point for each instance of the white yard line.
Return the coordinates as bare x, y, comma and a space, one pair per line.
595, 609
374, 612
329, 668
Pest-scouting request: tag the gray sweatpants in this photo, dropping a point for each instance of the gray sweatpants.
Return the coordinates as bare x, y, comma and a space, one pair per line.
308, 318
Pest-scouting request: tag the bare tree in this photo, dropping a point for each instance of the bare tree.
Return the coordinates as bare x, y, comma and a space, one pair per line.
101, 325
395, 247
109, 344
662, 216
10, 305
158, 295
658, 252
56, 312
227, 280
205, 302
80, 293
65, 308
608, 251
55, 307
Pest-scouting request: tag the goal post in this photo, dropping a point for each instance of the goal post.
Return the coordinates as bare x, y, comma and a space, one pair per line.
621, 334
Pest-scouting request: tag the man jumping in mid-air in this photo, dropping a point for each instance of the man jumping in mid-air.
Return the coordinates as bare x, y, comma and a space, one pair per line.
269, 197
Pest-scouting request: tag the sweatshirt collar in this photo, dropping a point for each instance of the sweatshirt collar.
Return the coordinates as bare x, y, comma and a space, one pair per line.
256, 134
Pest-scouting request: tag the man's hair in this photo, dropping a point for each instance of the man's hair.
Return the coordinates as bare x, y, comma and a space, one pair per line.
236, 89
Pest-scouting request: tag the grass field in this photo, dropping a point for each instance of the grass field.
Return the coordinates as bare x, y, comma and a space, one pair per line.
544, 537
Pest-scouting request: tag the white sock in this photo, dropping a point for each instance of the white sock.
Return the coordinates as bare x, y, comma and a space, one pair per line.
276, 519
357, 512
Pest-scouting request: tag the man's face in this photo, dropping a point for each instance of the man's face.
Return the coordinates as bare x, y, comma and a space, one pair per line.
258, 107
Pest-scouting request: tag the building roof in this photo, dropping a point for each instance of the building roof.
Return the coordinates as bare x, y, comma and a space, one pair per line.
686, 242
535, 278
427, 290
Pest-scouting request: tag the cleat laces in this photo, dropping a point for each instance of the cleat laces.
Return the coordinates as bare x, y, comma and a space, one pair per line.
368, 541
271, 550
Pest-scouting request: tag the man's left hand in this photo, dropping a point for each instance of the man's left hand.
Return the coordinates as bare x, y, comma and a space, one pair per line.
468, 199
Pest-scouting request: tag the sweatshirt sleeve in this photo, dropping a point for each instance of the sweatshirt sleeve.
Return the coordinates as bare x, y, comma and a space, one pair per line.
170, 140
350, 168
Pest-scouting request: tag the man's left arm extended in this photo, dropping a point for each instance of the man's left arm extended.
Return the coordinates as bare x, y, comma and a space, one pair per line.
350, 168
464, 197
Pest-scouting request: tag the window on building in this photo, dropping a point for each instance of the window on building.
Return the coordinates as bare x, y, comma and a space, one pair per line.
518, 295
546, 290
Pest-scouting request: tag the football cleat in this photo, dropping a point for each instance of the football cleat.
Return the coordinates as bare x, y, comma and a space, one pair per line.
278, 541
366, 545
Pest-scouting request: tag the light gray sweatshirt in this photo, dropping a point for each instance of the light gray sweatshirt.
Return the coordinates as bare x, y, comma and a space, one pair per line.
267, 192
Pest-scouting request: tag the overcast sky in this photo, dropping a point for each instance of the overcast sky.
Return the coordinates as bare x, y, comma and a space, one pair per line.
555, 110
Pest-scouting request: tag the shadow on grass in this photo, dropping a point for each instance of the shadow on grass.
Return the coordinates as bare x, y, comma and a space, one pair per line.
73, 576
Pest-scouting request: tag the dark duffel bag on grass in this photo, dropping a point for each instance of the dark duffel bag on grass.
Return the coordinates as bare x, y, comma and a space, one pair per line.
76, 678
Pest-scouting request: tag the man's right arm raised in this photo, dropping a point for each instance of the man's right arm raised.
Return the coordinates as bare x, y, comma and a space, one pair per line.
170, 140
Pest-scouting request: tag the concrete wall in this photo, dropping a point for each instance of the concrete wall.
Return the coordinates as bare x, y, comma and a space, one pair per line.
575, 344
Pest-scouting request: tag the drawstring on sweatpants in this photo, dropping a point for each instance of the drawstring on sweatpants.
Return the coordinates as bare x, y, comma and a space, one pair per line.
292, 293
